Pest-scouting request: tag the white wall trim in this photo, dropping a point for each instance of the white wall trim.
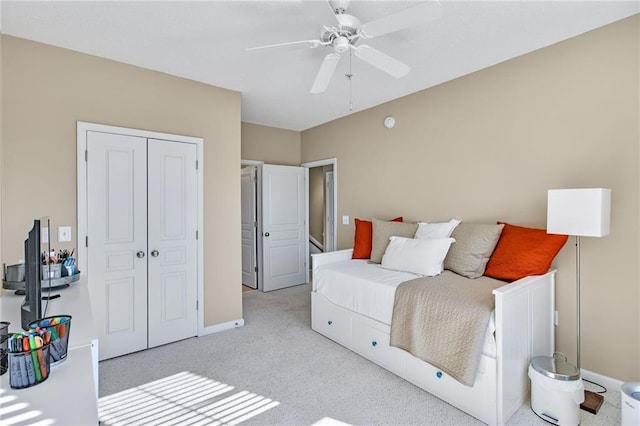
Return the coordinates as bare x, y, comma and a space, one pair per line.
251, 163
81, 178
316, 242
318, 163
608, 382
221, 327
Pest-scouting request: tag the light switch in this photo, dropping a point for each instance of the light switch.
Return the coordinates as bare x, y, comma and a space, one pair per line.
64, 234
45, 235
345, 220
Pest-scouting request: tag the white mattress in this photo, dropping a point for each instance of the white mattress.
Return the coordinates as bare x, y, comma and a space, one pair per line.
369, 290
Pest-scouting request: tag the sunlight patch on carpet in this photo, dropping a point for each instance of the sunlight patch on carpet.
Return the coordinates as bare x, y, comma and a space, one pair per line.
182, 399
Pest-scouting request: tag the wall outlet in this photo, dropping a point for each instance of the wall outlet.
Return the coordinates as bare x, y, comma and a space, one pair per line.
64, 234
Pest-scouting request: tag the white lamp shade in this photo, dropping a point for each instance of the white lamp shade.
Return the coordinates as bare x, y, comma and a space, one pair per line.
584, 212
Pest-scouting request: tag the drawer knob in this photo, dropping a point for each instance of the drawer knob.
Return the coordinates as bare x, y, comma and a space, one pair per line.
329, 322
374, 343
439, 374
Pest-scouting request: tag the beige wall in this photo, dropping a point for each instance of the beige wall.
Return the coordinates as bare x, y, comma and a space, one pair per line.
270, 144
487, 147
47, 89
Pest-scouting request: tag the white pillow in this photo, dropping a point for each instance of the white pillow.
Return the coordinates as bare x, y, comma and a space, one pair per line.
424, 257
436, 230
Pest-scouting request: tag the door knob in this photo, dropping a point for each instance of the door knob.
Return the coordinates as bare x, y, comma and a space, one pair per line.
140, 254
155, 253
266, 234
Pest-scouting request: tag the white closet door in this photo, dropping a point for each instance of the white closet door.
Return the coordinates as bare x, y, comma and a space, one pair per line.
172, 186
284, 239
117, 230
248, 224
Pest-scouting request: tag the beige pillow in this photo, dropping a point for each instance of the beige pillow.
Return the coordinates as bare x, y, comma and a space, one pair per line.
475, 243
383, 230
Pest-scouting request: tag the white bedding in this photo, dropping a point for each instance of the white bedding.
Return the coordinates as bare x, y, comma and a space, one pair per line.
369, 289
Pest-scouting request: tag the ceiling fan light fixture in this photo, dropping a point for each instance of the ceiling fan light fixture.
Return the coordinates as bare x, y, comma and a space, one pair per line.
341, 44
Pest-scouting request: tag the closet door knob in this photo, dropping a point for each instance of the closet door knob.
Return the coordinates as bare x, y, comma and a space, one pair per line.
155, 253
140, 254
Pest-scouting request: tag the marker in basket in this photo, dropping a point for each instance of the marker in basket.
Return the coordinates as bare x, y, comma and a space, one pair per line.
41, 360
14, 364
34, 357
28, 360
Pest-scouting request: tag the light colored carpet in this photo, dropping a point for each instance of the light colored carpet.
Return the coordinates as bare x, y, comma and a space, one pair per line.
276, 371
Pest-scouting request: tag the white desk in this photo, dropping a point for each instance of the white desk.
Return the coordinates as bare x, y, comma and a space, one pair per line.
70, 395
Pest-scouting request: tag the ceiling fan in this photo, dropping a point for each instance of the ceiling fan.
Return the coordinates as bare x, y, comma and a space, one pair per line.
344, 36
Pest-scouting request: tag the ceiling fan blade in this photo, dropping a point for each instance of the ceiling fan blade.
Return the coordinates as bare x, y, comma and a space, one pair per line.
325, 73
382, 61
311, 43
409, 17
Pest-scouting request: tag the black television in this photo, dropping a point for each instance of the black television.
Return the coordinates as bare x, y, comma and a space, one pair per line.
31, 308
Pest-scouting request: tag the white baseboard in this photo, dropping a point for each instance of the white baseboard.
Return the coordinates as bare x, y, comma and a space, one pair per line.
221, 327
608, 382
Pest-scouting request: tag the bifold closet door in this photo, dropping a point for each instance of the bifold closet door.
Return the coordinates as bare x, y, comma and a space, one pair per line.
172, 221
117, 240
142, 242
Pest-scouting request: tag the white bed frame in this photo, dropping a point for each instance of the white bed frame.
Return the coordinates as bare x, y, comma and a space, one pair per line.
524, 329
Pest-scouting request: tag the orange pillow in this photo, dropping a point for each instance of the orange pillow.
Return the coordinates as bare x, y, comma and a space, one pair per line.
363, 238
523, 251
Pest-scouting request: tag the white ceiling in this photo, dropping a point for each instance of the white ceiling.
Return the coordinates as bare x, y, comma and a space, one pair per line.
206, 40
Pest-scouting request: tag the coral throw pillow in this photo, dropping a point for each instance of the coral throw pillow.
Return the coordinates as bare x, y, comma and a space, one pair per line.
362, 240
523, 251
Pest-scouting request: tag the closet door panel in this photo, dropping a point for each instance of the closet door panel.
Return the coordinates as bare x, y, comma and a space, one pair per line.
117, 234
172, 224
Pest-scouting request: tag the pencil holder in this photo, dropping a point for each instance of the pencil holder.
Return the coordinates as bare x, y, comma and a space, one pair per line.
59, 327
29, 368
4, 348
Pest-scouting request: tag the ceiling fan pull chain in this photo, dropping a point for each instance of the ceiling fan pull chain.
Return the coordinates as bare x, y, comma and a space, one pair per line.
349, 76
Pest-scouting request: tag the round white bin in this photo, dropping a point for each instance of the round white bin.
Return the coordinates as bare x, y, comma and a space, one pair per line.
556, 390
630, 403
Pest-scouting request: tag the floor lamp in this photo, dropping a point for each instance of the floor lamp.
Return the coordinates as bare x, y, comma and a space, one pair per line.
583, 212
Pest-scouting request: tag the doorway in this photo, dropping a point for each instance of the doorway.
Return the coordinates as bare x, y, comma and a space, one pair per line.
323, 205
324, 217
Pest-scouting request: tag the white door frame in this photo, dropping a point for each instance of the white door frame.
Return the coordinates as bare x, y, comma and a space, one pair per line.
334, 163
258, 166
329, 211
81, 166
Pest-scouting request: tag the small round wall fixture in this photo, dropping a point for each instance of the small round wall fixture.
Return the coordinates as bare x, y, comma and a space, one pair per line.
389, 122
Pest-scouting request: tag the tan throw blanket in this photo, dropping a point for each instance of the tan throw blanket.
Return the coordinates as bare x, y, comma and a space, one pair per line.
442, 320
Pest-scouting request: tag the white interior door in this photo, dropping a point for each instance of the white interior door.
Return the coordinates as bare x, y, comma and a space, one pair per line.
117, 230
329, 204
249, 224
284, 231
172, 226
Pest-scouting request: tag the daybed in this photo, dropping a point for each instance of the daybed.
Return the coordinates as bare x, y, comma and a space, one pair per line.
351, 303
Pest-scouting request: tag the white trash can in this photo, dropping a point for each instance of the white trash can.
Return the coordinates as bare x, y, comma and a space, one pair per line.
556, 390
630, 394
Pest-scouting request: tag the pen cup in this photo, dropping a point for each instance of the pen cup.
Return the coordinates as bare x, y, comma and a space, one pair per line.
4, 336
59, 327
29, 368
